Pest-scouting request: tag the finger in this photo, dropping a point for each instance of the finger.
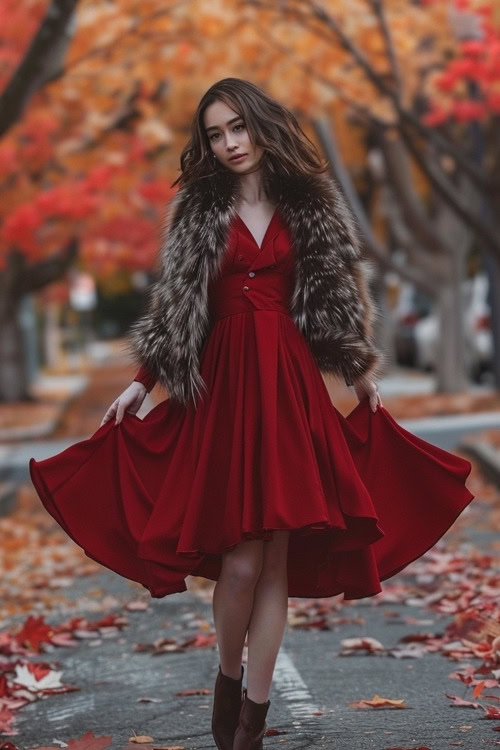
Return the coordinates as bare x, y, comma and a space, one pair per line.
106, 418
110, 413
119, 414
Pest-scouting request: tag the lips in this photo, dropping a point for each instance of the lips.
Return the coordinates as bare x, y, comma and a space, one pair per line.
237, 158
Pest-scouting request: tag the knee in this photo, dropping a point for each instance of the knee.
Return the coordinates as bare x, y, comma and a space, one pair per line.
241, 574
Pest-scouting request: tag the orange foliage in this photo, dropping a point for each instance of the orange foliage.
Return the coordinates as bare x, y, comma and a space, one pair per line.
97, 148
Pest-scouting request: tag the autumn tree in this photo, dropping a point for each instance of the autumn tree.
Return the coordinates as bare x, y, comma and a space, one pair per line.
78, 162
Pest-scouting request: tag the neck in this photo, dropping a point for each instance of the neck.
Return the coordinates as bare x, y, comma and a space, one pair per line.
252, 187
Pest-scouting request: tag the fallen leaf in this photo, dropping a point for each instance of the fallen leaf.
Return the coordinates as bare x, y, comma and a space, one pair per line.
27, 676
478, 689
140, 739
457, 701
351, 645
492, 712
378, 702
34, 632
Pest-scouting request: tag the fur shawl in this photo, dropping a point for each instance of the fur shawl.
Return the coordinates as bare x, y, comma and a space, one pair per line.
331, 304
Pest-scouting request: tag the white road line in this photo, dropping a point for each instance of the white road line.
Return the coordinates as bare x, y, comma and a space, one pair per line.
292, 687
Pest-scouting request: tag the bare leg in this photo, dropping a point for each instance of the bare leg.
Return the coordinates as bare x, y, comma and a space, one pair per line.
233, 600
268, 617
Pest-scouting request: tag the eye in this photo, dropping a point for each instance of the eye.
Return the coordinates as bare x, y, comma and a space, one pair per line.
239, 125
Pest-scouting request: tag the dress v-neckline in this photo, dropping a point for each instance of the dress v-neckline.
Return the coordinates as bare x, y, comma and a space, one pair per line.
265, 233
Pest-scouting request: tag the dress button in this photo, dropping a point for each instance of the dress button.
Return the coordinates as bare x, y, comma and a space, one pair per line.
252, 274
240, 257
245, 289
272, 265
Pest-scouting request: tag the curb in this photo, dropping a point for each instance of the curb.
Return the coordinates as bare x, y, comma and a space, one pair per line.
487, 457
44, 429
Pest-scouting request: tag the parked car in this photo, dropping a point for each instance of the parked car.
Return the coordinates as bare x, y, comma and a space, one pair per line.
412, 307
478, 332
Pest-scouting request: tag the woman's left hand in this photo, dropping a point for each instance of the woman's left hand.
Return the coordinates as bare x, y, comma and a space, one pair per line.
367, 387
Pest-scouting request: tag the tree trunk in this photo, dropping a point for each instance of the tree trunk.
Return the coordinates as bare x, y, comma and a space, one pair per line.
13, 382
450, 364
52, 335
17, 279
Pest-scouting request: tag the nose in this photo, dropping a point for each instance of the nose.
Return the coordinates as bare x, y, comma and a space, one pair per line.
231, 143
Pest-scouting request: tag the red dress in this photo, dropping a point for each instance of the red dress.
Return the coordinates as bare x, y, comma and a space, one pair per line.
158, 498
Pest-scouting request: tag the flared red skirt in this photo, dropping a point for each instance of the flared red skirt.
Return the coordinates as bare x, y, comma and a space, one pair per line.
159, 498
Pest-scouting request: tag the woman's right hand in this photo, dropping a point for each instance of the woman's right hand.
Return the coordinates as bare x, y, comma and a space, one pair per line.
130, 400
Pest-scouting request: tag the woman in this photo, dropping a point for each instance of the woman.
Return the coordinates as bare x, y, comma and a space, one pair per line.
247, 474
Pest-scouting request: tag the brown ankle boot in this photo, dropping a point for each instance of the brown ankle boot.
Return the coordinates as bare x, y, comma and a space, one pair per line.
226, 709
252, 724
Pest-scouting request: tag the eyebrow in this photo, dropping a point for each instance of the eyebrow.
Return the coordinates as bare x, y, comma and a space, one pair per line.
214, 127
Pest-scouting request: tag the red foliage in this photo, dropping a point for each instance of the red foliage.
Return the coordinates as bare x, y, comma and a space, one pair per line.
478, 62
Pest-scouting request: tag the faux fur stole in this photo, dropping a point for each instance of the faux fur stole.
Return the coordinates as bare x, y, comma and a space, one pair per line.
331, 304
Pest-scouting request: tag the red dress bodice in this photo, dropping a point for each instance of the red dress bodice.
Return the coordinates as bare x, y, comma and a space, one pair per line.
251, 277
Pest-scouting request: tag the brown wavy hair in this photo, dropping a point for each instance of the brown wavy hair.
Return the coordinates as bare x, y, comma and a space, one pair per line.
271, 125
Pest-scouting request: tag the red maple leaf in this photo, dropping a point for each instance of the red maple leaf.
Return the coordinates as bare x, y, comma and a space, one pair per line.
492, 712
34, 632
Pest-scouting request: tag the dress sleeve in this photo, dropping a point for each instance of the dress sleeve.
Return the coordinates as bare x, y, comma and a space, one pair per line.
146, 378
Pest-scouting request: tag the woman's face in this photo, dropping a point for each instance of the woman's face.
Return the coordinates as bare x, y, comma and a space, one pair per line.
228, 137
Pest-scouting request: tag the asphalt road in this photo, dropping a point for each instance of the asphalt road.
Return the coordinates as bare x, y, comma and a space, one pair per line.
309, 677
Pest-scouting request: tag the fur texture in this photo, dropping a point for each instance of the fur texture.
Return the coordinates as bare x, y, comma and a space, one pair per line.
331, 304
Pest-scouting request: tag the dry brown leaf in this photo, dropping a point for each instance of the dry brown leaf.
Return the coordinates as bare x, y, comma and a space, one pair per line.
378, 702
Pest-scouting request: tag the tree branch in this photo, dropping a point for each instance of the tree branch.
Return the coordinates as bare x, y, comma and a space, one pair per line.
443, 186
437, 139
134, 29
379, 12
30, 73
38, 275
399, 174
327, 139
406, 116
364, 114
